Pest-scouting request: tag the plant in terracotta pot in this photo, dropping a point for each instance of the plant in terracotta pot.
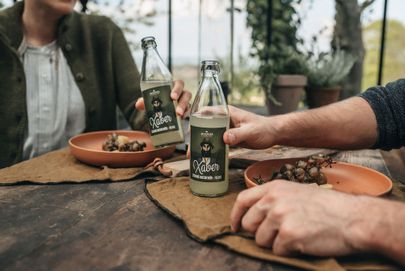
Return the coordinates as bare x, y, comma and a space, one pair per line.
288, 85
282, 66
326, 72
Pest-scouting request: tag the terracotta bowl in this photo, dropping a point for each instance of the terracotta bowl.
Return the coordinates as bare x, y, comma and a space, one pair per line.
88, 149
344, 177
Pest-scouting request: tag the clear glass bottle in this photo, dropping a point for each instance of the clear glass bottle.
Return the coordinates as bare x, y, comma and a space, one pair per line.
208, 122
156, 83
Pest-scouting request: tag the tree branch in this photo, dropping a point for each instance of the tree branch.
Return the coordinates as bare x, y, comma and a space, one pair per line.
366, 4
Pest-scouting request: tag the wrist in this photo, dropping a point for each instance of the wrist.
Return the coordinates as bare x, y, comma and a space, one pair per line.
278, 129
367, 229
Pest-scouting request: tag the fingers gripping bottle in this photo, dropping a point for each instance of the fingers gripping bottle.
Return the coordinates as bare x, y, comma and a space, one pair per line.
156, 84
208, 122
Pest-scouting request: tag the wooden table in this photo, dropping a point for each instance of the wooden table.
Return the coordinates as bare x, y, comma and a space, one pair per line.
111, 226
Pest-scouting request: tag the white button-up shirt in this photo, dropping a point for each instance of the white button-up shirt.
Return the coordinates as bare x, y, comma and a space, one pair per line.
55, 105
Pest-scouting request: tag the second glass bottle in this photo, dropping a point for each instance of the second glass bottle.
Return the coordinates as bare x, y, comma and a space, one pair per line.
208, 122
156, 85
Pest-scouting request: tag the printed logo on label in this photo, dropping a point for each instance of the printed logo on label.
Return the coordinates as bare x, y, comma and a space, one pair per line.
160, 110
207, 154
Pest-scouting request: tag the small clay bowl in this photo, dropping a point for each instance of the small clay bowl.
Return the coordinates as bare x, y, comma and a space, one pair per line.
343, 177
87, 148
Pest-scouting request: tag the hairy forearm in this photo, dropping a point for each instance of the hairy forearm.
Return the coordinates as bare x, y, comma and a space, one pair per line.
379, 228
350, 124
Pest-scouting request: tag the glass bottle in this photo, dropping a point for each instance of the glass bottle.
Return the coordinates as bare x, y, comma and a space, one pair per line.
208, 122
156, 83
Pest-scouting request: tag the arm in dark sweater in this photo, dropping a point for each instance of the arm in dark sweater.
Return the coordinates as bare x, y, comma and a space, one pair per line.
388, 104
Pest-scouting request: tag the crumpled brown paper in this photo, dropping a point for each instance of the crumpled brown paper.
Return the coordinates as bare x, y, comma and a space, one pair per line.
207, 219
60, 166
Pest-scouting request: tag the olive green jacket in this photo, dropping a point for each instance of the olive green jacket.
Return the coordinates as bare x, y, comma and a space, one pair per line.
101, 64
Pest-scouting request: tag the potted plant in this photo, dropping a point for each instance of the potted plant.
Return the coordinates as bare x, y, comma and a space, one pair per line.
282, 69
288, 84
326, 72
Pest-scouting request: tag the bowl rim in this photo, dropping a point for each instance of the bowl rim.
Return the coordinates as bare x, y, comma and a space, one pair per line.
389, 181
75, 146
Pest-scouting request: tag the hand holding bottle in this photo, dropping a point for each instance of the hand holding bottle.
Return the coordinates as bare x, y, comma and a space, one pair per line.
160, 97
249, 130
178, 94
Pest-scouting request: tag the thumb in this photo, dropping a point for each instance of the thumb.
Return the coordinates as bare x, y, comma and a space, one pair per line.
236, 136
140, 104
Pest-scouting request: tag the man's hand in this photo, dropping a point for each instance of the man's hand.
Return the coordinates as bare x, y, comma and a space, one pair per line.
291, 218
178, 94
249, 130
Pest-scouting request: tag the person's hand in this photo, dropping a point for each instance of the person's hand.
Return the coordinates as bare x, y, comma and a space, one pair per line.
249, 130
178, 94
298, 218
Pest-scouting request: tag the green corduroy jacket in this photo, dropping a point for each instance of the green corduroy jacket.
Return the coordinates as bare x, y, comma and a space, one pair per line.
100, 61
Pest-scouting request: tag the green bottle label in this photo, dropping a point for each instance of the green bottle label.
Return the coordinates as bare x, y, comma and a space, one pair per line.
160, 110
207, 161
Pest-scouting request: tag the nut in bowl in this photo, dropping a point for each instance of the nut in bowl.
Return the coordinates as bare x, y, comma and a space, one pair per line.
343, 177
88, 148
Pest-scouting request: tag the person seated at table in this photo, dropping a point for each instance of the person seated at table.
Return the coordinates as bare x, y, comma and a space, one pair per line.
292, 217
63, 73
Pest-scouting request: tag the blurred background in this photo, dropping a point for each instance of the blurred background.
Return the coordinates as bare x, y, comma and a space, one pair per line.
188, 31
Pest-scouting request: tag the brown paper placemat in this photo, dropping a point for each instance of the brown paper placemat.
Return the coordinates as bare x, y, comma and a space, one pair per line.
60, 167
211, 223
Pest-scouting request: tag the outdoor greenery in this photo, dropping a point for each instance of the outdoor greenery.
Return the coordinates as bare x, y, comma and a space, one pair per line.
283, 56
246, 88
328, 69
125, 15
394, 60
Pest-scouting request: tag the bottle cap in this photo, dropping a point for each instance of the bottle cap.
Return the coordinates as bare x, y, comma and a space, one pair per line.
148, 41
212, 65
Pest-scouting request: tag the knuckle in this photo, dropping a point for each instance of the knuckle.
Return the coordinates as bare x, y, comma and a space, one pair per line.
261, 241
287, 232
278, 212
297, 247
262, 207
276, 184
241, 198
279, 248
270, 197
247, 224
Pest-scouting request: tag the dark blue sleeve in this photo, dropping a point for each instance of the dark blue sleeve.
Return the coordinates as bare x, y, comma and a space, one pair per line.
388, 104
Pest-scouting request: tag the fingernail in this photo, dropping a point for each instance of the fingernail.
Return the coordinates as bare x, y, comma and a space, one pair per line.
175, 95
180, 111
231, 137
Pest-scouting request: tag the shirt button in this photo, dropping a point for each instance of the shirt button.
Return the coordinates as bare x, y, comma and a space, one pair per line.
68, 47
46, 108
79, 76
19, 79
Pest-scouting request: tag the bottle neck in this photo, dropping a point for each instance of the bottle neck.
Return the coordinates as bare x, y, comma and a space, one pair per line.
210, 74
150, 50
153, 67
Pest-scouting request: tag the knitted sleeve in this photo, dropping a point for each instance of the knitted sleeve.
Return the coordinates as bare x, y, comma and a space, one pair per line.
388, 104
